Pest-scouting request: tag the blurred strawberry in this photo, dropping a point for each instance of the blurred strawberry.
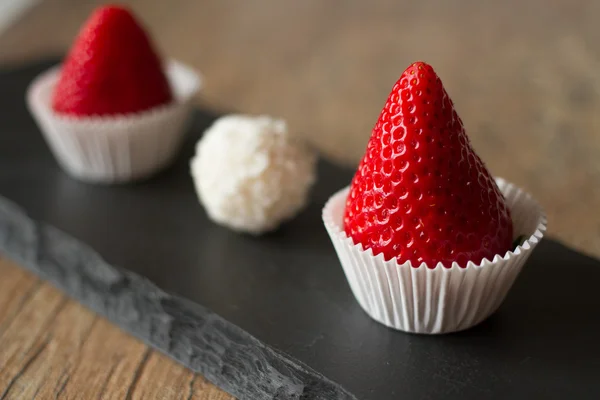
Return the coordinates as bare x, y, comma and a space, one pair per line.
112, 68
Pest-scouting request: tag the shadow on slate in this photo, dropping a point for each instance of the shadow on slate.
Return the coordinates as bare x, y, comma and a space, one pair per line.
279, 298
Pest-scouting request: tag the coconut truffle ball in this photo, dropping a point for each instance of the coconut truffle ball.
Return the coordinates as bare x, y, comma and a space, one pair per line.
251, 174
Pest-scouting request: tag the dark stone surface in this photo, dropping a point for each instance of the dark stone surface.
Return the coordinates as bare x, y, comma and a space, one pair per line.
287, 289
188, 332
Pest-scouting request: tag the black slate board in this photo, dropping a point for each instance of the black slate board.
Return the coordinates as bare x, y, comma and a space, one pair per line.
283, 297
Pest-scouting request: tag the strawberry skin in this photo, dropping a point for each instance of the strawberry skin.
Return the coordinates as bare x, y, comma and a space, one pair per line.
111, 68
420, 193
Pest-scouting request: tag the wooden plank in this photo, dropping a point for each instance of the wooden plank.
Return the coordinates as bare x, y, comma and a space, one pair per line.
16, 287
52, 347
177, 382
525, 87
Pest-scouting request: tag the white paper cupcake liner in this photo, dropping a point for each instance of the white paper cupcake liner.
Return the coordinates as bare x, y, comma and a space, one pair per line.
113, 149
439, 300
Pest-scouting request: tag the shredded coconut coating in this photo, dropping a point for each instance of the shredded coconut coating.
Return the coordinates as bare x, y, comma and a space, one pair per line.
251, 174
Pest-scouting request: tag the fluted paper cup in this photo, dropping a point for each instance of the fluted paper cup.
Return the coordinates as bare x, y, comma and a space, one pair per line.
113, 149
434, 300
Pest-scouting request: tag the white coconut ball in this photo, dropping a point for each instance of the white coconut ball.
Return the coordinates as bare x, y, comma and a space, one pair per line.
251, 174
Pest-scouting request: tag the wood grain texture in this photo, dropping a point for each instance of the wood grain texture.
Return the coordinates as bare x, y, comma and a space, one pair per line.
525, 76
53, 348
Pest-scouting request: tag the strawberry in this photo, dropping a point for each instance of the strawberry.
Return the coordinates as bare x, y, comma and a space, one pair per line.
112, 68
420, 193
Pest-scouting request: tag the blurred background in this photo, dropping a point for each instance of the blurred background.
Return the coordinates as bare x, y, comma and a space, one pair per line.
524, 75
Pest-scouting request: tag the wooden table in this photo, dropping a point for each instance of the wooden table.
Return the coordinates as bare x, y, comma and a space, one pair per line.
525, 76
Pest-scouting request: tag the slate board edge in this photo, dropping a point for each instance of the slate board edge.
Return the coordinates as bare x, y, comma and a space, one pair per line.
223, 353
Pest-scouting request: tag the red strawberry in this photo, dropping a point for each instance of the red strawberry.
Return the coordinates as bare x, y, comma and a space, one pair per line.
421, 194
112, 68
